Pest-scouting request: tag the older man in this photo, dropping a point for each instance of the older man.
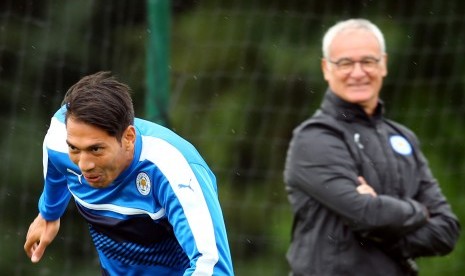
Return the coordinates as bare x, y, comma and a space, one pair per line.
364, 199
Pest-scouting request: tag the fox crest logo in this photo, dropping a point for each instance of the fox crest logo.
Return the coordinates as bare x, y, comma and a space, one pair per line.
400, 145
143, 183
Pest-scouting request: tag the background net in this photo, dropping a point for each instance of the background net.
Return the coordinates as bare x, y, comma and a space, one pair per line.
243, 74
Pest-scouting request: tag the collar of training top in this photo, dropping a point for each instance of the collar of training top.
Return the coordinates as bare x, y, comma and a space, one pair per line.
342, 110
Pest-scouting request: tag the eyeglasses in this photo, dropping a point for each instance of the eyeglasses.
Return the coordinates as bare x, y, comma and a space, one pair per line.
346, 65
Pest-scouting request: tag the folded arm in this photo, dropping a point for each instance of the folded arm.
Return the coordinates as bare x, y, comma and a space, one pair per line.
321, 166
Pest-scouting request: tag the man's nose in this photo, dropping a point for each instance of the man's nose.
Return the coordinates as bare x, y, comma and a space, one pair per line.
86, 162
358, 71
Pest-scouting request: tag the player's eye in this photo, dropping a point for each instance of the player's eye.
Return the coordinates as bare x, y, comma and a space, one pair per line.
96, 149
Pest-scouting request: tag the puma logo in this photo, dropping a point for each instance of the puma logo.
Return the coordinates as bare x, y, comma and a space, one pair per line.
76, 174
180, 186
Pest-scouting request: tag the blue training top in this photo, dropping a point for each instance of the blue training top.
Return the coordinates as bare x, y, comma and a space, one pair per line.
161, 216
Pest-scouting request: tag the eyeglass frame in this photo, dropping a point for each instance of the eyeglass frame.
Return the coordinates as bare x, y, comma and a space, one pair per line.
353, 62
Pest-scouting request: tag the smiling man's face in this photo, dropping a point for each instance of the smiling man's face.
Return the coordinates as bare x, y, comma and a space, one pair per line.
359, 86
100, 157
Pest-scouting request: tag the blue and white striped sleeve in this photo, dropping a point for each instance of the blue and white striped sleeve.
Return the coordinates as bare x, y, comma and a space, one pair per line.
55, 196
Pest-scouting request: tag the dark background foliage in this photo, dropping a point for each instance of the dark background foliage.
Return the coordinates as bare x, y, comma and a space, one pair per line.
243, 74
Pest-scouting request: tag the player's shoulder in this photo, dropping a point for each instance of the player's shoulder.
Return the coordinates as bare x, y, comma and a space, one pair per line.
157, 138
60, 114
55, 138
155, 131
148, 128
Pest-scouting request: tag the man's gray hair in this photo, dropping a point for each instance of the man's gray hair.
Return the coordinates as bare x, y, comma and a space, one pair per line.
351, 24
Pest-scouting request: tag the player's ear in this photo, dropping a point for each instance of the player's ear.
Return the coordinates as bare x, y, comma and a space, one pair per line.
384, 66
325, 69
129, 137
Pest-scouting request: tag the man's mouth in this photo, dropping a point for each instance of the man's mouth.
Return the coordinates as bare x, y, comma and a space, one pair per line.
358, 84
92, 178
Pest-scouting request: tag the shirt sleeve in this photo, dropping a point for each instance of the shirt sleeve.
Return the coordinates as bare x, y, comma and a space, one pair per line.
188, 195
55, 195
441, 232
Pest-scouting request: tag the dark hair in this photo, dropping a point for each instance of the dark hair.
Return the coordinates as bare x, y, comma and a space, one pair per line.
102, 101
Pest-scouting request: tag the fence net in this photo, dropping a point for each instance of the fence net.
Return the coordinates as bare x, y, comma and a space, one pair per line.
243, 74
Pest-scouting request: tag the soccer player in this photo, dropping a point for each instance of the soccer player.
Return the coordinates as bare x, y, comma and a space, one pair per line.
149, 198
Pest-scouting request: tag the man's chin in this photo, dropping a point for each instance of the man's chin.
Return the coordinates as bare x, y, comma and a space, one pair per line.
360, 89
98, 185
360, 95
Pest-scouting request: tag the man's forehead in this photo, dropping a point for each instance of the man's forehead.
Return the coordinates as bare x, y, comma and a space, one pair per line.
78, 132
358, 42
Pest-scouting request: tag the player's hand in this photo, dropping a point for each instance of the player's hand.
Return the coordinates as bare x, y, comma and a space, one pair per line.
364, 188
40, 234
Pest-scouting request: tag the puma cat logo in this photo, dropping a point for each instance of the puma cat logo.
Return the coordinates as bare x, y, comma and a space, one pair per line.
180, 186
